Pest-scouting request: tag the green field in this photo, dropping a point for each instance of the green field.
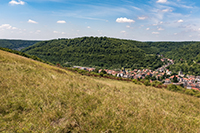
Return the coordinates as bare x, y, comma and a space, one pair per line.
36, 97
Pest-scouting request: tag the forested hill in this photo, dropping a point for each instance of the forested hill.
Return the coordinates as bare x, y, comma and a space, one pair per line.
163, 47
189, 52
95, 51
16, 44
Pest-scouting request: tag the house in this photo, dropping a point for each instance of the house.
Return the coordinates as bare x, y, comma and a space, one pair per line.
197, 89
120, 75
180, 73
167, 81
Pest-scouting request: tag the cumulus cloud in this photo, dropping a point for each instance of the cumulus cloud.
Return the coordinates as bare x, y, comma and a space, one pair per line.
19, 2
128, 26
31, 21
180, 21
61, 22
5, 26
123, 31
161, 1
142, 18
88, 27
147, 28
124, 20
156, 33
160, 29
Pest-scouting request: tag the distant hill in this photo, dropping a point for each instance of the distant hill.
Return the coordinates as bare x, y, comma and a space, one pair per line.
16, 44
187, 59
187, 52
162, 47
36, 97
95, 51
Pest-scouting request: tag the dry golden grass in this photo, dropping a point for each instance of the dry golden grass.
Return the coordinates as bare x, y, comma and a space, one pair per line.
36, 97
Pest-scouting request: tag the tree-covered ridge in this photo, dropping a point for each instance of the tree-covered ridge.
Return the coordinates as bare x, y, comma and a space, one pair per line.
95, 51
189, 52
16, 44
162, 47
186, 58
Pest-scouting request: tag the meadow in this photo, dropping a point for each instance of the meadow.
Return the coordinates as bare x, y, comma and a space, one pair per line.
37, 97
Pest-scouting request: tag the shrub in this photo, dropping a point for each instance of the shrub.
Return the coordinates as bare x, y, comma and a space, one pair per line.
156, 83
105, 75
173, 87
135, 81
198, 95
190, 92
147, 83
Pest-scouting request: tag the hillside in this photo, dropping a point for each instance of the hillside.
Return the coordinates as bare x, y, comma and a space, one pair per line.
93, 51
186, 58
41, 98
16, 44
161, 47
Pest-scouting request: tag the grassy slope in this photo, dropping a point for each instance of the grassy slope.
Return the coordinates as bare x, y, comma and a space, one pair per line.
41, 98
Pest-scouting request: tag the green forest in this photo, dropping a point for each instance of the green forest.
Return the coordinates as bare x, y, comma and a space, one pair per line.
112, 53
16, 44
95, 51
186, 58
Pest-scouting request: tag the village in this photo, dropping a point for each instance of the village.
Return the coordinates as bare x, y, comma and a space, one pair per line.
161, 74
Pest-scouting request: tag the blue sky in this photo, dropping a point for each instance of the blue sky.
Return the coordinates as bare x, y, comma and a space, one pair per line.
143, 20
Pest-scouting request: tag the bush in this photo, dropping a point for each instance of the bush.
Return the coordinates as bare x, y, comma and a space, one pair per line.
174, 88
105, 75
198, 95
156, 83
147, 83
190, 92
135, 81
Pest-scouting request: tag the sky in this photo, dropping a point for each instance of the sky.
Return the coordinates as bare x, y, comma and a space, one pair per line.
142, 20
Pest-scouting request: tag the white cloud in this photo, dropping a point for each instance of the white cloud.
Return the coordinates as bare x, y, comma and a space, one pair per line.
5, 26
31, 21
88, 27
123, 31
147, 28
124, 20
38, 31
166, 10
160, 29
180, 21
19, 2
56, 32
156, 33
161, 1
128, 26
63, 33
199, 28
142, 18
175, 33
14, 28
61, 22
